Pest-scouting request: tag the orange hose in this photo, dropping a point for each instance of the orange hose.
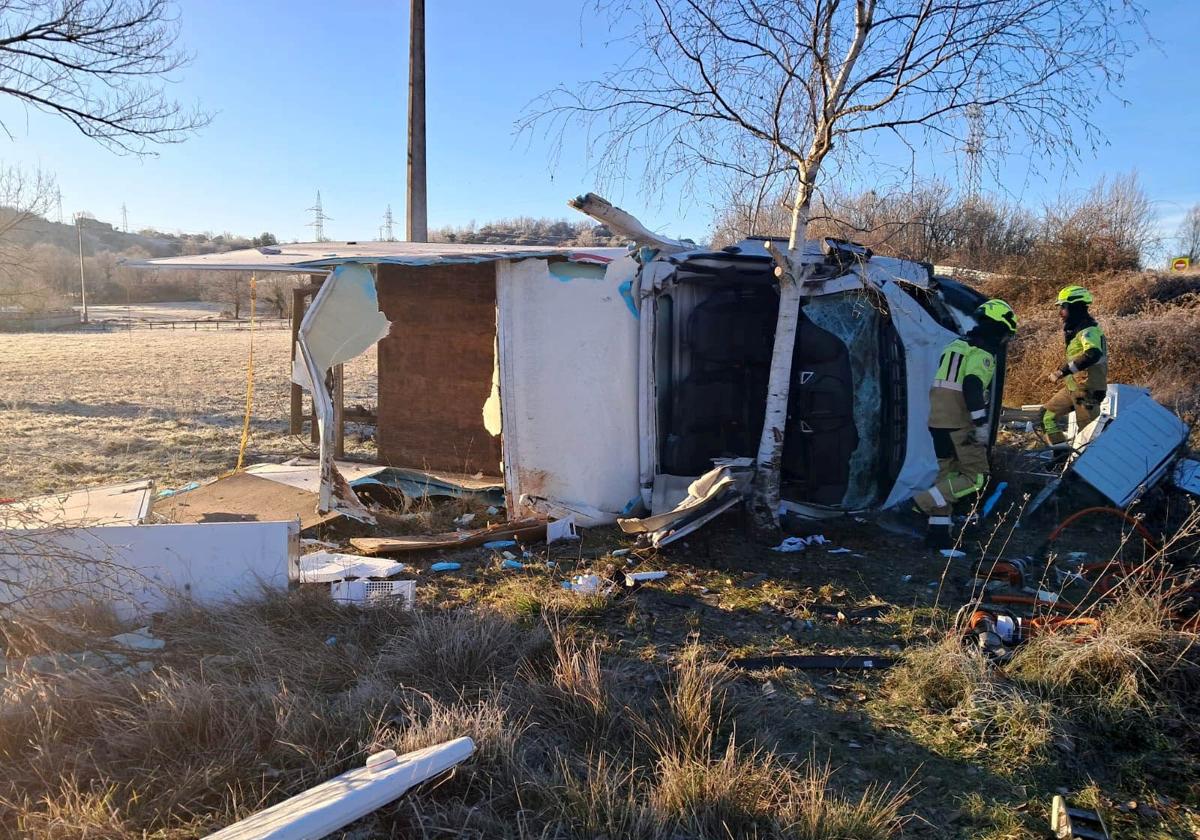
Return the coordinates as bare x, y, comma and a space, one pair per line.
1146, 536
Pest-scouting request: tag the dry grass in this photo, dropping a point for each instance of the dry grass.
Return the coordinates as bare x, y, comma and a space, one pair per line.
87, 408
1127, 688
252, 704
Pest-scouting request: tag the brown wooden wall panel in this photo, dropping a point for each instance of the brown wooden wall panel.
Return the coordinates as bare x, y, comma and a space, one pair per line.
435, 368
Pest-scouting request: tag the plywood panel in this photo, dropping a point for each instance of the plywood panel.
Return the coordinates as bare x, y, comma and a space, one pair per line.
435, 368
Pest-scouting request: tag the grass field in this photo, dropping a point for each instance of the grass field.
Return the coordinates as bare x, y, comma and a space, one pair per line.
85, 408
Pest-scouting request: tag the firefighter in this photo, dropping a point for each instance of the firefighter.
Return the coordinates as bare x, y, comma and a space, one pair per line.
958, 416
1085, 374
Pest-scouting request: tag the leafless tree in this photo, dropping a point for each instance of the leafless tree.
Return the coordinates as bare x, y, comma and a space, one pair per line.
771, 89
24, 196
1189, 234
100, 64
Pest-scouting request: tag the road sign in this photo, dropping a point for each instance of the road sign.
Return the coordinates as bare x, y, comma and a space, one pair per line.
1181, 263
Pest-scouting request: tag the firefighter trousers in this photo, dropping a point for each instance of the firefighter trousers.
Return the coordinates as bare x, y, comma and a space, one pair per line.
962, 471
1084, 404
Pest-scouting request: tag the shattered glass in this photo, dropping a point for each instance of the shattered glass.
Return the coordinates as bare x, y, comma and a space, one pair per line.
853, 318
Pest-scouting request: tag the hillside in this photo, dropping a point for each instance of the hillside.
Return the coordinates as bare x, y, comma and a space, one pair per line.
100, 237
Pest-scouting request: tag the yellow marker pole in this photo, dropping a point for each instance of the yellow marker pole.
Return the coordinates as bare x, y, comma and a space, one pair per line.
249, 379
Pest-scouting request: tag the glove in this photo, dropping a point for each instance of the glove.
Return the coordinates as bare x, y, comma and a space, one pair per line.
982, 435
1055, 376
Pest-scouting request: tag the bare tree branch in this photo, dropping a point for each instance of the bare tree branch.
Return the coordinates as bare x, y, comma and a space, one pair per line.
100, 64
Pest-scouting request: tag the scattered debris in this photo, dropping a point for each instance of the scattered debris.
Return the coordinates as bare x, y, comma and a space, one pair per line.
814, 662
790, 544
445, 566
589, 584
117, 504
139, 639
373, 593
561, 529
496, 545
838, 551
327, 567
464, 520
342, 800
163, 494
1067, 822
635, 579
710, 495
952, 553
620, 552
525, 530
512, 563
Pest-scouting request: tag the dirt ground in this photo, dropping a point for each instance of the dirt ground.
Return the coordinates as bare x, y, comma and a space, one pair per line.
84, 408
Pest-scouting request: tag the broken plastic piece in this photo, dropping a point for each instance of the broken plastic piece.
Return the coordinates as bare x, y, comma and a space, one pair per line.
327, 567
634, 578
445, 566
373, 593
561, 529
510, 563
790, 544
587, 585
327, 807
496, 545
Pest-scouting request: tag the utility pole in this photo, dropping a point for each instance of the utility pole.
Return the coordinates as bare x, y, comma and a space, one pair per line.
319, 219
82, 281
124, 218
58, 202
388, 235
417, 229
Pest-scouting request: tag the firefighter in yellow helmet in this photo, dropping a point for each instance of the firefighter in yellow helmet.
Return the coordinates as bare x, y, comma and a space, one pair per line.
958, 416
1085, 374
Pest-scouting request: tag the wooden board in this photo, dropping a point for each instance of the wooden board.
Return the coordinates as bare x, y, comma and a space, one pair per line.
243, 498
436, 366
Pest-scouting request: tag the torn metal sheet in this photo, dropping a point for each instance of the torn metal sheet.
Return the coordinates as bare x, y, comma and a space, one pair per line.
525, 530
1134, 452
319, 257
306, 475
140, 569
708, 496
327, 807
117, 504
419, 484
243, 497
329, 566
342, 322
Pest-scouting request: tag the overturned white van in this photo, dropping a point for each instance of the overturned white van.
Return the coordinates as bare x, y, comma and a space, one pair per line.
583, 378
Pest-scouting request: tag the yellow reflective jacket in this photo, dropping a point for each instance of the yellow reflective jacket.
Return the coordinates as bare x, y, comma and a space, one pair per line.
958, 398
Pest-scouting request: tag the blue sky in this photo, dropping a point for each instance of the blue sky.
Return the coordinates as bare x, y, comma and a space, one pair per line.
311, 95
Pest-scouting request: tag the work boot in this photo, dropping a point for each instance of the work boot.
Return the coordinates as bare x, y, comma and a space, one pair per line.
938, 537
902, 522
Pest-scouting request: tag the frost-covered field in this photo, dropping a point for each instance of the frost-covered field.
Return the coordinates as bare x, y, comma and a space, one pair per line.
87, 408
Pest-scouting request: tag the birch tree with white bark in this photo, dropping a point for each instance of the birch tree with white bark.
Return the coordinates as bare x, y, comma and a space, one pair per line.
775, 90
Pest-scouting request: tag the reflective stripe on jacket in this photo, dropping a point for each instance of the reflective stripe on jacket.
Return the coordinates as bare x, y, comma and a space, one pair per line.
955, 403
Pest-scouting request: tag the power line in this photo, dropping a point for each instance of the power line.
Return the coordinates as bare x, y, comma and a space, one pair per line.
319, 219
389, 236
